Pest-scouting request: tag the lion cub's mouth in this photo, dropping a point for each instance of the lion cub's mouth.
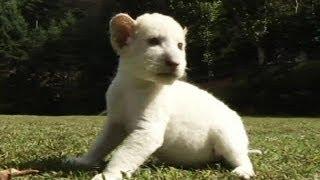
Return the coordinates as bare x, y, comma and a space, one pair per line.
168, 74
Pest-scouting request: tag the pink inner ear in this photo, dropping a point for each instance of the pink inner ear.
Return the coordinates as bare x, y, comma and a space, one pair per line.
124, 30
129, 40
123, 37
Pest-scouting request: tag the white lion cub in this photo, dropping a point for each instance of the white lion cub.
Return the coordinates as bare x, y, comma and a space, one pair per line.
150, 111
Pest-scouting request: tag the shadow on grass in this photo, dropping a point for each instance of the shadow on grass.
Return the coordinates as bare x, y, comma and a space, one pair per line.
220, 165
60, 164
54, 164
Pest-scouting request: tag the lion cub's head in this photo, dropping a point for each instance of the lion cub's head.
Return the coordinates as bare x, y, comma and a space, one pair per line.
152, 47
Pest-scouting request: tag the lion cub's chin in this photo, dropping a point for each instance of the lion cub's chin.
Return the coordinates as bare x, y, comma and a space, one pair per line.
167, 78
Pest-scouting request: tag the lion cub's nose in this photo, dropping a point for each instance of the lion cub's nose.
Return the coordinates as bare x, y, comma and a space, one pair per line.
171, 63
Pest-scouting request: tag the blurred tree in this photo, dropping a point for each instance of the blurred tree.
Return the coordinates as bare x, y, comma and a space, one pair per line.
243, 50
13, 31
29, 24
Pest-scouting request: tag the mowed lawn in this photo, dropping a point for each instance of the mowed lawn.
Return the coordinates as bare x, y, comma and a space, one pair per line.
291, 148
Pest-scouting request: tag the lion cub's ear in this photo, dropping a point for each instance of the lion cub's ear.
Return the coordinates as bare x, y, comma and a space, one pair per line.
185, 30
121, 30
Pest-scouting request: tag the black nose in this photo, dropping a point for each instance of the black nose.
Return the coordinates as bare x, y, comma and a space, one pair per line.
171, 63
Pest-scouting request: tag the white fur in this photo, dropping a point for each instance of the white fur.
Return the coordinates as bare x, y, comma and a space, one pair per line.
150, 111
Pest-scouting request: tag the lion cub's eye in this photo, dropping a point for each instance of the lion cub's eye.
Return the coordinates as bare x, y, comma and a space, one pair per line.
154, 41
180, 46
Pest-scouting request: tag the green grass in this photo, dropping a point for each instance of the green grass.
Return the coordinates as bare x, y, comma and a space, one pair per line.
291, 148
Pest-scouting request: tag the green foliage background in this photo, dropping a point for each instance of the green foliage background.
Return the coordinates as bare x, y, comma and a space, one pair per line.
28, 24
261, 57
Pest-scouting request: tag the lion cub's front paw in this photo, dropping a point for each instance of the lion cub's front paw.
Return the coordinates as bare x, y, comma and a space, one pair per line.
244, 172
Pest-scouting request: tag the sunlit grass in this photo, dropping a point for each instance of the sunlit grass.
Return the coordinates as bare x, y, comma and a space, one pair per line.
291, 148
